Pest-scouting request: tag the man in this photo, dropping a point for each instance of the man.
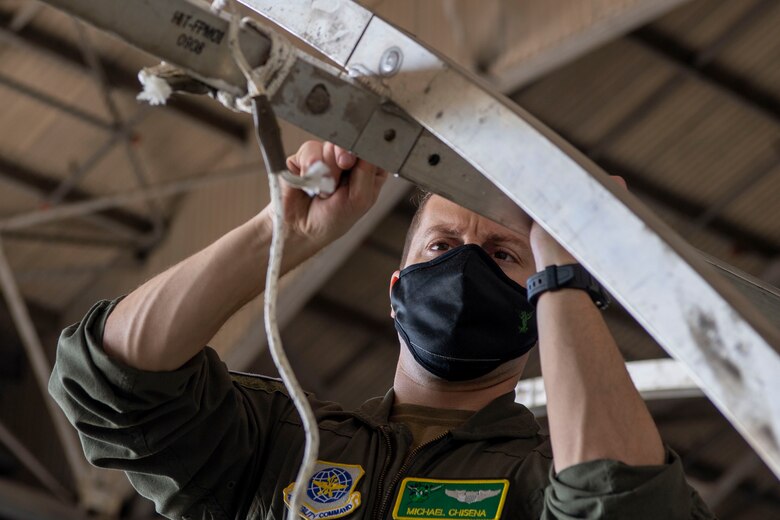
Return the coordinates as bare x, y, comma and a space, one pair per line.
446, 442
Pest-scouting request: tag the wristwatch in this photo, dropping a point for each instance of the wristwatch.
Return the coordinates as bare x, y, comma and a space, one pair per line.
570, 276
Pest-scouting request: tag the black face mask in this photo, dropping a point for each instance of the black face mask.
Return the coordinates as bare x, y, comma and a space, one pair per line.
461, 316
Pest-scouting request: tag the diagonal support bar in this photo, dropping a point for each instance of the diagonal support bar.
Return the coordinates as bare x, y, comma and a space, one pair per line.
654, 379
465, 141
41, 366
697, 316
45, 43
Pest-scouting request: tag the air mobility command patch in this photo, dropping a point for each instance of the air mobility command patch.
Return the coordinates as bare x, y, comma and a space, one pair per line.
330, 492
445, 499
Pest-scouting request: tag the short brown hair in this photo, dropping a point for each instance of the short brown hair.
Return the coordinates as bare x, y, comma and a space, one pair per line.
419, 199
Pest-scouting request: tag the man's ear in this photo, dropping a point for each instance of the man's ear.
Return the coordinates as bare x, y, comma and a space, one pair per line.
393, 279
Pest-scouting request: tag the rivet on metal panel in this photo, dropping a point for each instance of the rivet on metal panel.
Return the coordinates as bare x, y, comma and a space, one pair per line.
389, 134
390, 61
318, 100
434, 159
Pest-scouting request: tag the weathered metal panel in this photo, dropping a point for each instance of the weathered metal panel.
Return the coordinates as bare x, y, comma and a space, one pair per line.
695, 315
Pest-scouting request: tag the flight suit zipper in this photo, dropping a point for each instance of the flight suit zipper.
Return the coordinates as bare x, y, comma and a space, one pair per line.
388, 457
382, 511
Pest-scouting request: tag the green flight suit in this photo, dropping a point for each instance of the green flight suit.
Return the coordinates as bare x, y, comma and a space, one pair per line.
206, 444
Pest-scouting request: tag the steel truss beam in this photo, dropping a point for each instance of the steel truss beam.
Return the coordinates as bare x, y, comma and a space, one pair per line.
31, 37
408, 110
53, 102
739, 235
43, 185
19, 502
40, 365
748, 92
655, 379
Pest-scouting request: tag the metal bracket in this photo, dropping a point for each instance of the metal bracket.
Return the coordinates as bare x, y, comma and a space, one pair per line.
478, 149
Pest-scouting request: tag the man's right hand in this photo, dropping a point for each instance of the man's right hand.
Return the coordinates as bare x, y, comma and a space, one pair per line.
319, 221
167, 320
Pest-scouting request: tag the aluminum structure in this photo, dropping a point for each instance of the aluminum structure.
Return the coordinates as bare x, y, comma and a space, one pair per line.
654, 379
400, 105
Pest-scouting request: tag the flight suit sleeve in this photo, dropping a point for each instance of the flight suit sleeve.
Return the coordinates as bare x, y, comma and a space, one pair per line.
608, 489
189, 439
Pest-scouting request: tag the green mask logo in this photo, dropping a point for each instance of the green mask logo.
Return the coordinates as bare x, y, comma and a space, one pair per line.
525, 317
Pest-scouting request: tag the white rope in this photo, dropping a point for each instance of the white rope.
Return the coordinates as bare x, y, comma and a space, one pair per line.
280, 359
314, 182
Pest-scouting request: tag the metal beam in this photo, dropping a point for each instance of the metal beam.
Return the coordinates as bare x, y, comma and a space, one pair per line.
715, 493
645, 186
136, 164
31, 462
303, 283
41, 367
46, 99
747, 91
66, 52
702, 320
20, 502
398, 84
702, 57
655, 379
86, 240
43, 185
25, 14
110, 204
742, 186
351, 316
512, 73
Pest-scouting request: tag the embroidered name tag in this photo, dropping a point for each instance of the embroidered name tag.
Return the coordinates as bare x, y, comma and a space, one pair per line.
330, 492
444, 499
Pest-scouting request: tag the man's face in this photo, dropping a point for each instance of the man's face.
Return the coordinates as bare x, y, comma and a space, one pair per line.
444, 225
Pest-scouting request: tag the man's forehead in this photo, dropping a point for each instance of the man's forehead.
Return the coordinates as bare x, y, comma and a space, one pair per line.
440, 213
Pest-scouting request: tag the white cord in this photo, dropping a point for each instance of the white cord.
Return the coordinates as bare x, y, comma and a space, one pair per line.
280, 359
316, 183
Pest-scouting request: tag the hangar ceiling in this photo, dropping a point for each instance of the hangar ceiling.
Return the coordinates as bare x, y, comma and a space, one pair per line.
680, 98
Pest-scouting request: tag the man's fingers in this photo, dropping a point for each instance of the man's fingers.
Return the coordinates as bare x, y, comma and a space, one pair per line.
379, 180
361, 184
331, 161
309, 153
344, 158
620, 180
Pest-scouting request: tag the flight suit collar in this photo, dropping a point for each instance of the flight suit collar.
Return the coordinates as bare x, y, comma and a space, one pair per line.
501, 418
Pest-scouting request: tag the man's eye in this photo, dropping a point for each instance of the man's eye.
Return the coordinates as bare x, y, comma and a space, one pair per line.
503, 255
440, 246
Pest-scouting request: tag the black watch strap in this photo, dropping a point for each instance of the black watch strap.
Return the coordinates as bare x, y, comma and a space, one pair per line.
570, 276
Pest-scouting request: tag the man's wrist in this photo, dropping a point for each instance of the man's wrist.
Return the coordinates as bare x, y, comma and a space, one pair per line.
552, 256
297, 248
571, 276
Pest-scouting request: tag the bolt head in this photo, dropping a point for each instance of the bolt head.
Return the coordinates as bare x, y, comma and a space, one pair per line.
391, 61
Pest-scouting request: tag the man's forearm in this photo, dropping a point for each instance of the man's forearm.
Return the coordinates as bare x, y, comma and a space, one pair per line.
594, 410
170, 318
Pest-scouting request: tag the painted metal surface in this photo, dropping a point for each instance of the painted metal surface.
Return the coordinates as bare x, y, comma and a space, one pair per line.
183, 32
654, 378
692, 313
696, 315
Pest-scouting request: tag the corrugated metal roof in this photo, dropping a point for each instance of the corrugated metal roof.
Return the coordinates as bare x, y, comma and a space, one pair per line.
697, 144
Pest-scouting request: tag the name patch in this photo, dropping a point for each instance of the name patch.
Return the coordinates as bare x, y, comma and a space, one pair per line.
445, 499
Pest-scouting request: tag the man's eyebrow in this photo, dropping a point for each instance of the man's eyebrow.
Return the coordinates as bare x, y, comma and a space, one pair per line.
441, 229
503, 238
